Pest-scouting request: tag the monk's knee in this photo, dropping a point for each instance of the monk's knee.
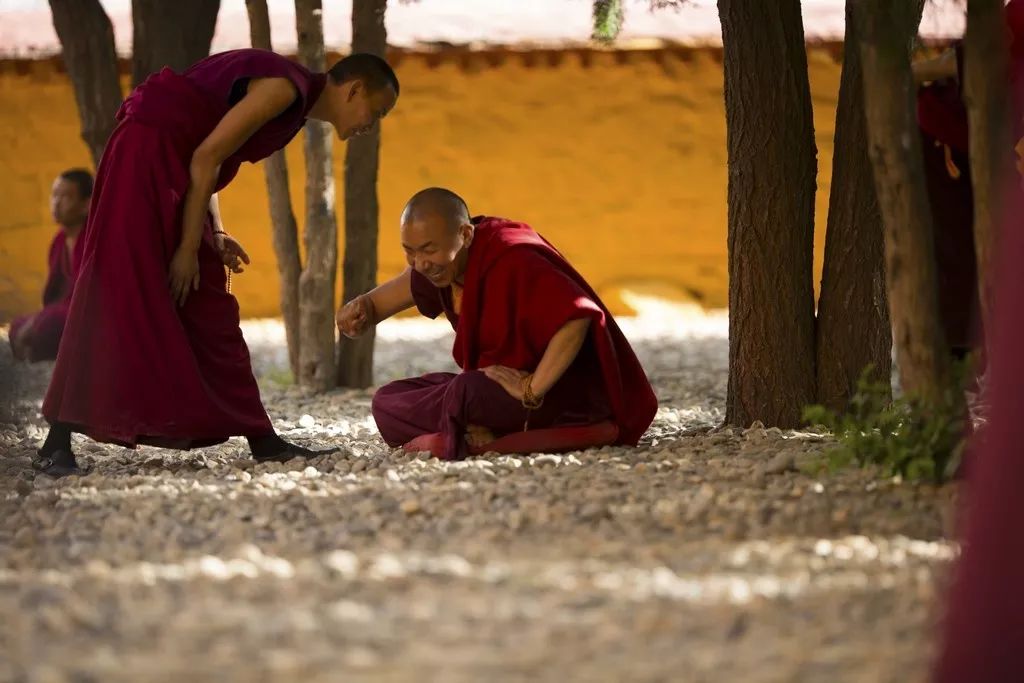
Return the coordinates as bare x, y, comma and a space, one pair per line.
469, 387
386, 410
379, 402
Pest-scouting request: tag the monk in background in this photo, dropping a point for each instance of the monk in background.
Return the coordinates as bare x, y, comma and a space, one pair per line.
537, 347
153, 352
942, 120
36, 337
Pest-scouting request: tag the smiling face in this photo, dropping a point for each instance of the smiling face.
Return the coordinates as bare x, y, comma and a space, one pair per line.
357, 109
436, 246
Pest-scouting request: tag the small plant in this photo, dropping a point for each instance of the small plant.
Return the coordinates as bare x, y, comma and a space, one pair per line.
279, 376
910, 437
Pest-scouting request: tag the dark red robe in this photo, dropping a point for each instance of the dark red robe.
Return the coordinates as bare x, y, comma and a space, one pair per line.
47, 325
133, 367
942, 119
983, 634
518, 292
984, 628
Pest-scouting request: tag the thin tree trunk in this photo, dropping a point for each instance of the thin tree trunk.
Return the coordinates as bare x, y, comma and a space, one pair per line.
986, 94
886, 30
87, 40
282, 218
316, 284
853, 314
772, 166
174, 33
355, 356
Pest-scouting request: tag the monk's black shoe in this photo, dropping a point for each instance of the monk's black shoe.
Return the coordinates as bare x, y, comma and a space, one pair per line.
291, 452
59, 463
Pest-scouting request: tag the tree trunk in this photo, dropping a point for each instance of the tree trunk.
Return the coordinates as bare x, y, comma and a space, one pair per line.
886, 29
316, 284
170, 33
772, 166
282, 218
355, 356
853, 314
986, 74
87, 39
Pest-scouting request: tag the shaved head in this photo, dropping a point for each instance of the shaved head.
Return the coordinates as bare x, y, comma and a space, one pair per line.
437, 202
436, 235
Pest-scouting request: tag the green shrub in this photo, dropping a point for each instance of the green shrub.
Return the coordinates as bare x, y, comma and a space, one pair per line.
913, 438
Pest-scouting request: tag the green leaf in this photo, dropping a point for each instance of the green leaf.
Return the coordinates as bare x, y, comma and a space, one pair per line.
609, 16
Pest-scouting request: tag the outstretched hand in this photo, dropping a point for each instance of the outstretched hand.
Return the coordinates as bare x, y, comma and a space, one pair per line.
231, 252
183, 274
510, 379
356, 317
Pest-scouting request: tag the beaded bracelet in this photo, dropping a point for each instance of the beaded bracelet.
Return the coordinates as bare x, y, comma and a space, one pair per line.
227, 285
530, 400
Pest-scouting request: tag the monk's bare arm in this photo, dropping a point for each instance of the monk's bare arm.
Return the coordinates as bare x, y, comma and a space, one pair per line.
562, 350
392, 297
215, 212
266, 99
359, 315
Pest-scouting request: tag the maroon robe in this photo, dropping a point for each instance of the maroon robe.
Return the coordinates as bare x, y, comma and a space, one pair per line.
952, 204
47, 325
133, 366
942, 119
518, 292
984, 628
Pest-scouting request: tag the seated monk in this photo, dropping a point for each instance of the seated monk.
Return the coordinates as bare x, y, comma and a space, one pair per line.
536, 346
36, 337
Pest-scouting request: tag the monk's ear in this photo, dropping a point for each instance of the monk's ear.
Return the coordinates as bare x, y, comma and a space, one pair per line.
354, 88
467, 230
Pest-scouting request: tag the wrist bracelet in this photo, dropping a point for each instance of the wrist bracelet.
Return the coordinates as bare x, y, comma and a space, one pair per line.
530, 400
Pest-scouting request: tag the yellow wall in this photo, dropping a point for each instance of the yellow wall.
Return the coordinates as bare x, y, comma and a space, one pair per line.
622, 165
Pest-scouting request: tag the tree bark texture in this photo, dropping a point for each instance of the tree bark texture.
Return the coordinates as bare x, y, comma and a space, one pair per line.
355, 356
87, 40
772, 167
853, 329
986, 95
282, 217
886, 29
173, 33
316, 284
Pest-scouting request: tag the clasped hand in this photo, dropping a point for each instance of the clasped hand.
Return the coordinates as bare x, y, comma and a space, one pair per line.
356, 317
231, 252
183, 273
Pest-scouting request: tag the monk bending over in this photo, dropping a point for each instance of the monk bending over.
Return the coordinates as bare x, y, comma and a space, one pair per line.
153, 352
36, 337
536, 346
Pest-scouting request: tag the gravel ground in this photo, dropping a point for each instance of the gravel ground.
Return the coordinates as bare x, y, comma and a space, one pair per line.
703, 555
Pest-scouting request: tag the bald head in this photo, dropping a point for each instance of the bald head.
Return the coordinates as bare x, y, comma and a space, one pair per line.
436, 235
436, 203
